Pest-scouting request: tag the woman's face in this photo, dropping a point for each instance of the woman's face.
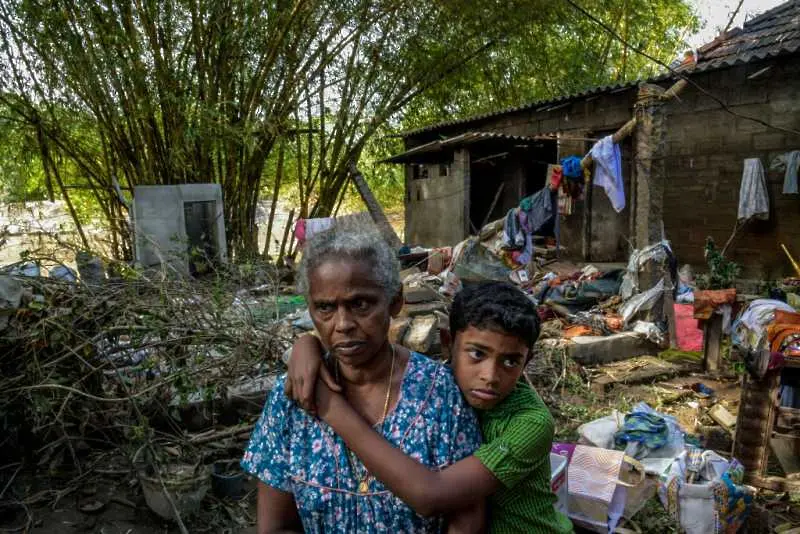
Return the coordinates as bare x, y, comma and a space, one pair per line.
350, 310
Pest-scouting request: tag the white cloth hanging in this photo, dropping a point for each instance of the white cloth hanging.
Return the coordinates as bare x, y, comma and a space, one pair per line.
608, 171
790, 178
753, 197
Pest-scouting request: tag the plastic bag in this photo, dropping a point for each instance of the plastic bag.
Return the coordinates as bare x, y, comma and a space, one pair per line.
659, 459
600, 432
477, 263
603, 486
641, 302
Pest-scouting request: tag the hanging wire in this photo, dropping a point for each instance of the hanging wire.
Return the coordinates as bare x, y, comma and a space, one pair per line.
678, 74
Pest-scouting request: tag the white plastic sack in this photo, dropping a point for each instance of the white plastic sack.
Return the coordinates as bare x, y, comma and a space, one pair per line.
714, 502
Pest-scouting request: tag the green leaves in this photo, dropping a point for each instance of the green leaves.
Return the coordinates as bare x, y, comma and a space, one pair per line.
722, 273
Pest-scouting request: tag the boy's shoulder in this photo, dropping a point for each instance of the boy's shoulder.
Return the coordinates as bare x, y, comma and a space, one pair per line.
523, 402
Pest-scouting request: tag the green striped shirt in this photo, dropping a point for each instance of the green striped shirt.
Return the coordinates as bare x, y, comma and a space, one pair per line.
518, 434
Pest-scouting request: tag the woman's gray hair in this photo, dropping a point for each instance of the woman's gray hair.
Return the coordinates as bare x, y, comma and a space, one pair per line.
354, 241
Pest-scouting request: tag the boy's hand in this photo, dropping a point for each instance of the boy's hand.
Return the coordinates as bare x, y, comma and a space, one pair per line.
329, 403
305, 367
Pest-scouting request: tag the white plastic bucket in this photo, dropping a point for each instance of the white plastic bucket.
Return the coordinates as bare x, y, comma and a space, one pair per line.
558, 481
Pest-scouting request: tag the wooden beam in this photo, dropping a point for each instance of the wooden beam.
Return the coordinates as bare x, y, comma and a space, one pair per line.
491, 207
374, 208
712, 347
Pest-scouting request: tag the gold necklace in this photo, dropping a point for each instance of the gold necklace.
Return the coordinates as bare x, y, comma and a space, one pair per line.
363, 482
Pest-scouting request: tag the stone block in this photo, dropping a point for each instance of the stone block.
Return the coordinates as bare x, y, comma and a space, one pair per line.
423, 308
594, 350
398, 329
415, 293
411, 271
422, 333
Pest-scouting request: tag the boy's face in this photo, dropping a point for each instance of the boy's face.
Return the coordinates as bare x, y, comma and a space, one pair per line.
487, 365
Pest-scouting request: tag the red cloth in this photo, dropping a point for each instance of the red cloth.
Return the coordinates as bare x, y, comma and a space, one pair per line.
554, 174
690, 337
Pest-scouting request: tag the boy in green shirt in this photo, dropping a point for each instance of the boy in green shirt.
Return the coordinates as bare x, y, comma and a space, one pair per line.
493, 328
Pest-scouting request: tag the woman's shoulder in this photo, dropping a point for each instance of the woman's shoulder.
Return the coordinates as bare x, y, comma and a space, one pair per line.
278, 403
426, 377
434, 370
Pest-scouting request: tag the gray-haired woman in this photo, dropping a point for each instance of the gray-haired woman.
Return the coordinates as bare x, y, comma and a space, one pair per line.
309, 480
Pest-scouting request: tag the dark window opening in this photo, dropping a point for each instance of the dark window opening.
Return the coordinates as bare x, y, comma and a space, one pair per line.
203, 250
444, 169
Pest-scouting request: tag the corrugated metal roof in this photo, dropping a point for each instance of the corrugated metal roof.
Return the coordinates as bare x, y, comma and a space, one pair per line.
773, 33
466, 138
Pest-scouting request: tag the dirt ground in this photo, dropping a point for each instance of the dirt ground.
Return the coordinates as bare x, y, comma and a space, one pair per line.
573, 400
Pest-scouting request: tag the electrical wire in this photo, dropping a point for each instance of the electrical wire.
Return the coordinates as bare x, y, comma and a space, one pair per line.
678, 74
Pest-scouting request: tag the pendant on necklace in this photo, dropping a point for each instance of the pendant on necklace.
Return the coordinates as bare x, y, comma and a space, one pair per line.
363, 486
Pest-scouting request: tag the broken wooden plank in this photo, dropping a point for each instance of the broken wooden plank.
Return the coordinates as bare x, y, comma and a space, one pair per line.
712, 350
635, 371
787, 450
374, 208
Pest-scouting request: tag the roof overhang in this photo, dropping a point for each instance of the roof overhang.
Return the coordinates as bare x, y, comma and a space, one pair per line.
442, 149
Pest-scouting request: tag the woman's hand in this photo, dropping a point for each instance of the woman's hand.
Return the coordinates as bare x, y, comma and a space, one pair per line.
305, 367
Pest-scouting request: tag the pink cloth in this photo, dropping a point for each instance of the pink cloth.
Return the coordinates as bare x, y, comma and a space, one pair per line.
690, 337
300, 230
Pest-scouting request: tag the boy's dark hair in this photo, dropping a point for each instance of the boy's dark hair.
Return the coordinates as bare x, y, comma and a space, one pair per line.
497, 306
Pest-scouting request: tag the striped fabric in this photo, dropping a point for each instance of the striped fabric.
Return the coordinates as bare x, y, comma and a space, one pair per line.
518, 434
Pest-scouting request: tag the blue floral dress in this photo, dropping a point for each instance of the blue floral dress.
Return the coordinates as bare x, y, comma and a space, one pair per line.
299, 454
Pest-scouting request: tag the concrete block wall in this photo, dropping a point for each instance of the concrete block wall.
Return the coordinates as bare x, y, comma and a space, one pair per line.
573, 122
435, 206
706, 149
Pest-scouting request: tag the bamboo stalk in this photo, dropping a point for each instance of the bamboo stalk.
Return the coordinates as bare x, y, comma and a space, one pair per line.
275, 193
286, 231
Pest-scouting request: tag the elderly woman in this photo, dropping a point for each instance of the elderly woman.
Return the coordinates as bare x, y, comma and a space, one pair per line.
309, 480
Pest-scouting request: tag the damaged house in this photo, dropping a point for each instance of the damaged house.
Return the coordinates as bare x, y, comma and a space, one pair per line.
682, 165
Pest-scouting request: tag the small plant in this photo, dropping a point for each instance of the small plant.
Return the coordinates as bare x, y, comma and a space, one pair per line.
722, 273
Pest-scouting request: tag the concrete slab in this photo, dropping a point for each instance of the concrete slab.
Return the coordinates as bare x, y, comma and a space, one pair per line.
595, 350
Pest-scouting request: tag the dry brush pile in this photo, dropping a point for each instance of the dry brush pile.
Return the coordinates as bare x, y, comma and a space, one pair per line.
131, 361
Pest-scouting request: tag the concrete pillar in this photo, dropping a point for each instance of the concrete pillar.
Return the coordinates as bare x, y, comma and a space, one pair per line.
461, 163
648, 201
649, 175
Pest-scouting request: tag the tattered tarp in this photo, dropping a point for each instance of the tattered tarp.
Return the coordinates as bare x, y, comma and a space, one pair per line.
477, 263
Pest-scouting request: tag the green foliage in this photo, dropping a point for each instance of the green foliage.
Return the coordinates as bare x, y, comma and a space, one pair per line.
207, 91
558, 51
722, 273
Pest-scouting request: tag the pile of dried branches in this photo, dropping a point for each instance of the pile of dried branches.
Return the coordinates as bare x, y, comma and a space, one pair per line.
131, 360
